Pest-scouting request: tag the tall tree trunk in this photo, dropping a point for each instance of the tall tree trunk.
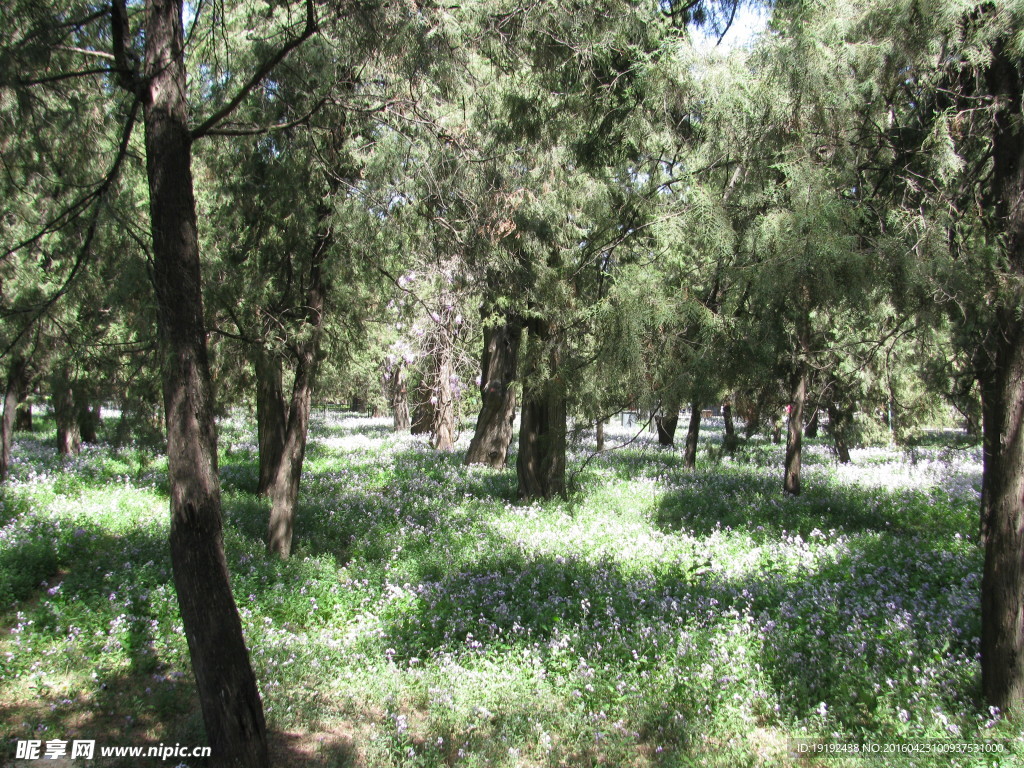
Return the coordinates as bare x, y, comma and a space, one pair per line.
442, 427
730, 441
599, 435
1002, 397
89, 419
284, 492
540, 465
398, 393
498, 369
23, 416
692, 435
839, 422
795, 432
666, 425
271, 416
232, 710
15, 378
65, 413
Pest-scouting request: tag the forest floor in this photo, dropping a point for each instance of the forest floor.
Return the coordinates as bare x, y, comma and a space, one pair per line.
658, 616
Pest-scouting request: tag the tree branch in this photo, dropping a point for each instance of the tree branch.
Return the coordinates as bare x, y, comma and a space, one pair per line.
265, 69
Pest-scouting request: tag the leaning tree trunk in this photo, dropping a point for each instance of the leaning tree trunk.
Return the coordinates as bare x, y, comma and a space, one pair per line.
284, 493
795, 432
540, 465
271, 416
15, 377
692, 435
69, 438
1002, 387
232, 710
498, 368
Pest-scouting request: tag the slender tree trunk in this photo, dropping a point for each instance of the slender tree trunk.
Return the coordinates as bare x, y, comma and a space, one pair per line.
15, 377
666, 424
730, 441
232, 710
795, 432
692, 435
284, 493
540, 465
599, 434
271, 416
442, 427
839, 422
498, 369
65, 413
1002, 398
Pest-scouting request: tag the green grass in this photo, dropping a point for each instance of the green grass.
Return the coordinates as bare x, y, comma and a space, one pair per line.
656, 617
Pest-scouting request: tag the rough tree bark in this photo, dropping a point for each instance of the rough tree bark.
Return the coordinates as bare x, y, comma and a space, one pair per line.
692, 435
284, 492
795, 431
271, 416
442, 426
398, 393
498, 370
540, 465
1001, 377
15, 377
232, 710
65, 413
599, 435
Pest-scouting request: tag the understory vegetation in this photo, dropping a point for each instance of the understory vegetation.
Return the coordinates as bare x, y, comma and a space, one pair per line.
657, 616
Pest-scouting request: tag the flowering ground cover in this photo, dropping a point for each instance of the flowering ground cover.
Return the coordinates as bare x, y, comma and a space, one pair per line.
657, 617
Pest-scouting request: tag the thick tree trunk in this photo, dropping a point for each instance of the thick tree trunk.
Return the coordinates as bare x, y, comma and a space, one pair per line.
498, 370
692, 435
1001, 376
15, 379
271, 416
284, 493
795, 432
599, 435
65, 413
839, 422
232, 710
540, 465
666, 425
